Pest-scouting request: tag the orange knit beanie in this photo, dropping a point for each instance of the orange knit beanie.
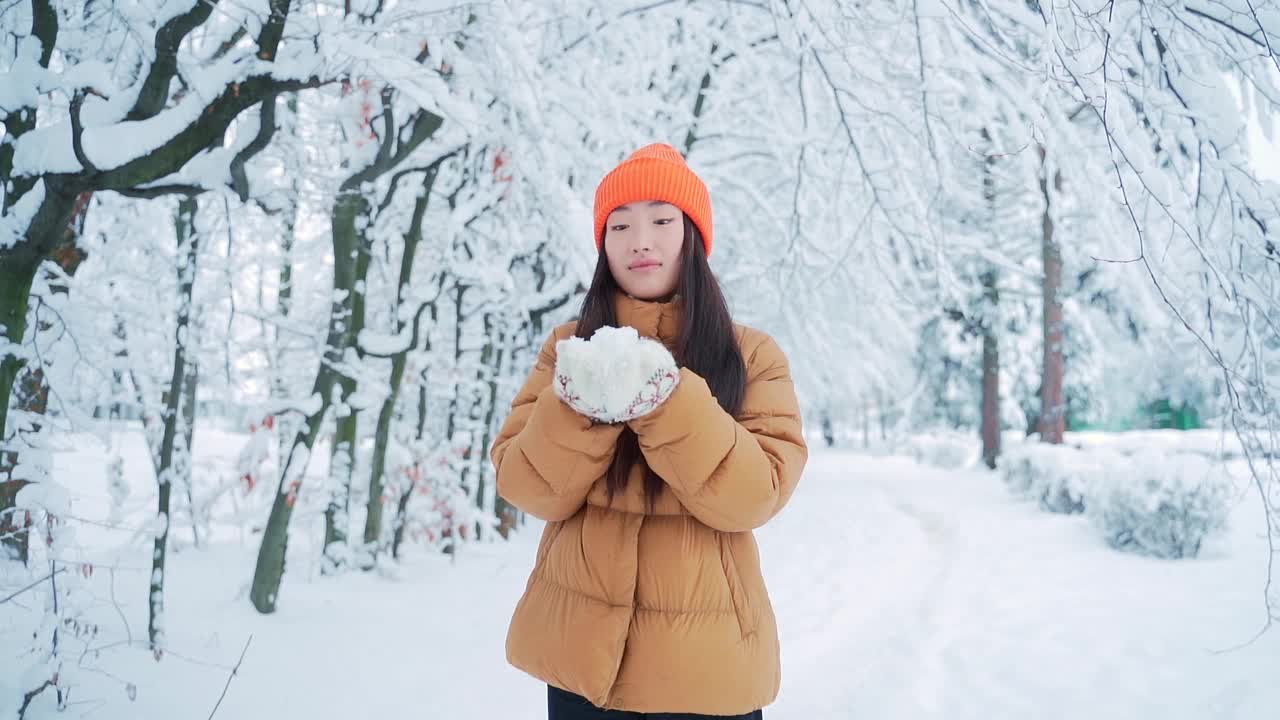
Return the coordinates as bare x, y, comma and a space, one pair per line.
654, 172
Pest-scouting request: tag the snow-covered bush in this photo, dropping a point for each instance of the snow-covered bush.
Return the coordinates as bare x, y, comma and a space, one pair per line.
1160, 504
1056, 476
1153, 502
944, 449
1214, 444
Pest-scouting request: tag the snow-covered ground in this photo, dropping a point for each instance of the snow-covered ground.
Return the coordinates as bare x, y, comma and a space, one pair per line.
902, 591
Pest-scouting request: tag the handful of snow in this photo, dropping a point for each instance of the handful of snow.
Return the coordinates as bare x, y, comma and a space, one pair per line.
615, 376
1159, 504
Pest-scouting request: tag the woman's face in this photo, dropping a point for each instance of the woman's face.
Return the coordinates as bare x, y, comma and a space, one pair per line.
642, 241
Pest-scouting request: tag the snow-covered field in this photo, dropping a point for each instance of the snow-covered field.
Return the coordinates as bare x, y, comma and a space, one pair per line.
902, 591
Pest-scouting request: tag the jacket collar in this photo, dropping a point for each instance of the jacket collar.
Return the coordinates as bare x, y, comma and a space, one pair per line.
652, 319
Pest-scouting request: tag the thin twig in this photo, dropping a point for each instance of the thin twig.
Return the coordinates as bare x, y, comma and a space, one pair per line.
19, 592
128, 632
31, 695
234, 670
1265, 38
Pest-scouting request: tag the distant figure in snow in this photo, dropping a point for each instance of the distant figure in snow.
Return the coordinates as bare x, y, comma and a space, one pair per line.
653, 435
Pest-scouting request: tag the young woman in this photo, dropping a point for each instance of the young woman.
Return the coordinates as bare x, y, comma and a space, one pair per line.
653, 435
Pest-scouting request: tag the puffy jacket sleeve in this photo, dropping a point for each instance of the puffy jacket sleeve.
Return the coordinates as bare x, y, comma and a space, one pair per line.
546, 456
733, 475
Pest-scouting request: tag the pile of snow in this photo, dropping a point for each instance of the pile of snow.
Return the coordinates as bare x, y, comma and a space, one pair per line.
1161, 505
1151, 501
1056, 476
945, 449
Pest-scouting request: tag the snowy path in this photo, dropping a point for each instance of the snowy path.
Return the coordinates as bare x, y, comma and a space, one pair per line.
918, 592
901, 591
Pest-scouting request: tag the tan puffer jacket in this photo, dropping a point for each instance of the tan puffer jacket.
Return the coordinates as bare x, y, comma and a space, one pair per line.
663, 610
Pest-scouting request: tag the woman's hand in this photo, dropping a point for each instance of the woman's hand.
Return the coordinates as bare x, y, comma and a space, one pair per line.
615, 376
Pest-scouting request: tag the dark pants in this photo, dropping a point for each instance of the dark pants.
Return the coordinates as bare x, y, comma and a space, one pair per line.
564, 705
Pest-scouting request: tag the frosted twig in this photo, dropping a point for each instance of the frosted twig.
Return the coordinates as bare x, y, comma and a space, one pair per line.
127, 631
19, 592
1262, 31
234, 670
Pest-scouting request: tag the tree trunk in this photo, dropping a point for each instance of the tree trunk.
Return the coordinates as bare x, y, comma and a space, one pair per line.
866, 425
271, 554
699, 103
401, 520
19, 262
402, 505
989, 319
397, 145
350, 204
337, 520
285, 426
15, 525
484, 373
189, 385
378, 464
269, 569
990, 371
15, 286
1052, 407
382, 436
32, 388
119, 386
455, 404
504, 511
174, 459
883, 405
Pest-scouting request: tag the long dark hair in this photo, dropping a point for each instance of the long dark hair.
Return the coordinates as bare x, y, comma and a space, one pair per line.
707, 345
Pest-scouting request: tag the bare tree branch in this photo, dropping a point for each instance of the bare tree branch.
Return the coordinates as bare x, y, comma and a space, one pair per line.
155, 88
266, 129
151, 192
424, 125
1219, 21
77, 133
399, 175
16, 593
1265, 38
273, 30
44, 26
234, 670
229, 43
173, 154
